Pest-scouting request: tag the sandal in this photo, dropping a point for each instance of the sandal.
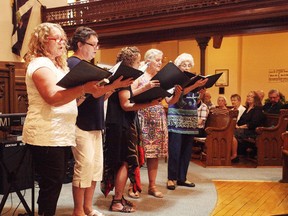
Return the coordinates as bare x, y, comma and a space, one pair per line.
125, 208
154, 192
132, 194
127, 202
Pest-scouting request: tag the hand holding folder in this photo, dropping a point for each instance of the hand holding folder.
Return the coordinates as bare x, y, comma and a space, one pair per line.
212, 79
169, 76
84, 72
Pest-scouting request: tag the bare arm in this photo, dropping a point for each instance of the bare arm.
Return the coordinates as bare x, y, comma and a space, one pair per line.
45, 82
138, 90
177, 93
197, 84
118, 83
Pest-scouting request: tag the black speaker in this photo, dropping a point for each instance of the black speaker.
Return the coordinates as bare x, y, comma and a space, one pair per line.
15, 166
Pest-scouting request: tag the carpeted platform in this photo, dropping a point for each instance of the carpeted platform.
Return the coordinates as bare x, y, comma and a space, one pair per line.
198, 201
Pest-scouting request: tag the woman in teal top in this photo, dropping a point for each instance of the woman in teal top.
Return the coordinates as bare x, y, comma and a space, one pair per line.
182, 126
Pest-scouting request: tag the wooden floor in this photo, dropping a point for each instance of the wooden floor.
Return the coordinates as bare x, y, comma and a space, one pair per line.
251, 198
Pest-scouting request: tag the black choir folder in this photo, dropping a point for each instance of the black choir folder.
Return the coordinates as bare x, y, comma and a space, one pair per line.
149, 95
212, 79
85, 71
169, 76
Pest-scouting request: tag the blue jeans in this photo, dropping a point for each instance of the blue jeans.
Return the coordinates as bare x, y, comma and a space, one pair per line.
179, 155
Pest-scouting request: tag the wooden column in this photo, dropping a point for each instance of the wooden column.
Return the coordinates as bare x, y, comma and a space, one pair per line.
202, 43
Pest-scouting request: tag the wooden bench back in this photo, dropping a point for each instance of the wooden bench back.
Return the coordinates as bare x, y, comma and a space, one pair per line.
220, 131
271, 120
217, 118
268, 140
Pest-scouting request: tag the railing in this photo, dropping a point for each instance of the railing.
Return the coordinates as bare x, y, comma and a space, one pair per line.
102, 11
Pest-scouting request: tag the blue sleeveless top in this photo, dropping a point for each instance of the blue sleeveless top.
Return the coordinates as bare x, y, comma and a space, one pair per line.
182, 116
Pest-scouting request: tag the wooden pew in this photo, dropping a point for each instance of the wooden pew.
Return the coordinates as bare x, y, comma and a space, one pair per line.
268, 141
285, 158
220, 128
13, 95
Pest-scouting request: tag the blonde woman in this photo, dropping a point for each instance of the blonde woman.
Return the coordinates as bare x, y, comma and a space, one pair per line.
49, 128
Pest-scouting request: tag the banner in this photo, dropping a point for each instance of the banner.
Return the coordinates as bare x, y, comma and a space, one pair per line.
23, 24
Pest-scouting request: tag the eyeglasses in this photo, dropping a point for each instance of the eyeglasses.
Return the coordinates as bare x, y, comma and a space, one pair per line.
95, 46
57, 40
186, 65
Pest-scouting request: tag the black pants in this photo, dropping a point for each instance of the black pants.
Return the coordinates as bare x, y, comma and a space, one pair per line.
50, 165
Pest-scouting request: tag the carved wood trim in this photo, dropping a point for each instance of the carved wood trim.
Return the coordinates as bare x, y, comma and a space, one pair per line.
144, 21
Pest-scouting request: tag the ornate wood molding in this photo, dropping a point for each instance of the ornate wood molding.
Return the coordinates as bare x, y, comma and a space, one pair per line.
144, 21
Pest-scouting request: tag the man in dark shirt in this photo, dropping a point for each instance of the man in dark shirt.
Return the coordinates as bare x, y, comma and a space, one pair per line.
274, 105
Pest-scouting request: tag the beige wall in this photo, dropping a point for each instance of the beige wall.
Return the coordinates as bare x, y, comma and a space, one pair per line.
248, 58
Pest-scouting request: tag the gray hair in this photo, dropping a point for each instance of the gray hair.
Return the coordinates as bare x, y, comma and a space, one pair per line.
274, 91
184, 57
151, 53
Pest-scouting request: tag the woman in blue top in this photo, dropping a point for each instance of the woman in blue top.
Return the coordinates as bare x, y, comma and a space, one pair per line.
182, 126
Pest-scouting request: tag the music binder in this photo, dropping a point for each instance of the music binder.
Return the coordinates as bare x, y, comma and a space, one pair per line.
85, 71
149, 95
212, 79
170, 75
123, 70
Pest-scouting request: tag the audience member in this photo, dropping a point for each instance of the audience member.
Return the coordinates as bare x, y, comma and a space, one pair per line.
49, 128
274, 104
236, 103
182, 127
261, 95
153, 122
207, 100
203, 112
222, 102
122, 137
88, 152
245, 128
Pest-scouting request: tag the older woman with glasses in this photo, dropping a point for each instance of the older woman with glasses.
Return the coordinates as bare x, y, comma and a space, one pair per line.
182, 126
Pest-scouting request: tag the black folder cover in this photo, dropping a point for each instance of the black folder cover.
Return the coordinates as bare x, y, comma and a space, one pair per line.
212, 79
170, 75
149, 95
83, 72
125, 71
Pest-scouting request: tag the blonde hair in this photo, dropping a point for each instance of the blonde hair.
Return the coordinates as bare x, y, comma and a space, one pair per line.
151, 54
184, 57
38, 44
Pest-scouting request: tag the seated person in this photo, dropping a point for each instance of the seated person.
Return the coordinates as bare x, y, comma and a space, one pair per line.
206, 98
274, 103
222, 102
203, 111
252, 118
261, 94
236, 103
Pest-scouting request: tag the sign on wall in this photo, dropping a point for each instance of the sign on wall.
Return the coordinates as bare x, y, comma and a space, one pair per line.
278, 75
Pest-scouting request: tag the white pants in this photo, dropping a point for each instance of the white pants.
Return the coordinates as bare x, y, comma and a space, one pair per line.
88, 155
